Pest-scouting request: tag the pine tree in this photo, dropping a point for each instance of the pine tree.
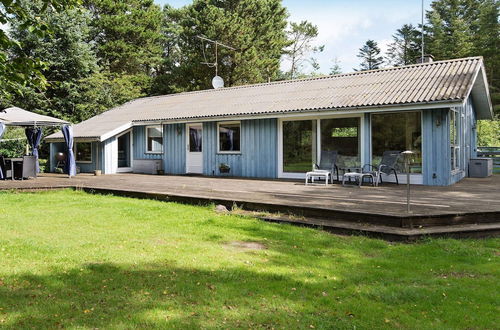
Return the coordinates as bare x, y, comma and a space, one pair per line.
370, 56
127, 34
405, 47
255, 28
301, 35
335, 69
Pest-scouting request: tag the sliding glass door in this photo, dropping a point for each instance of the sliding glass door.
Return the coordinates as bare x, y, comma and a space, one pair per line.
299, 145
303, 141
342, 135
398, 131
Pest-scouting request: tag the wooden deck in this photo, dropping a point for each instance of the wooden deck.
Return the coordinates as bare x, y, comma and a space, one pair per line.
472, 201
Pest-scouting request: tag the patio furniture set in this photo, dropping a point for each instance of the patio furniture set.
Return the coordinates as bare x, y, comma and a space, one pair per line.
328, 167
18, 168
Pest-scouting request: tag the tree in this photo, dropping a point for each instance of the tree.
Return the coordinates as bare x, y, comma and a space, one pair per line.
405, 47
449, 28
370, 56
336, 69
255, 28
21, 71
127, 35
301, 36
103, 91
67, 55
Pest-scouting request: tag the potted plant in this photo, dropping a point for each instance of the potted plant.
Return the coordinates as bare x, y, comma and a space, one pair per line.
224, 168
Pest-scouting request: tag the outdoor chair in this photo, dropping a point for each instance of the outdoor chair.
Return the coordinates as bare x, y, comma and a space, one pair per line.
327, 166
28, 167
387, 166
6, 170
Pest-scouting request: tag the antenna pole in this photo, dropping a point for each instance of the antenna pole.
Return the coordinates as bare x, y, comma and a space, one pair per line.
423, 55
216, 61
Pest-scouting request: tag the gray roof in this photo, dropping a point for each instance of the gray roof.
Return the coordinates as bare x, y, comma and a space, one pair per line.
437, 83
15, 116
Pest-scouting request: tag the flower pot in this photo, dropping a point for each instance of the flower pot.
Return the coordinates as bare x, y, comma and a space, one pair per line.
97, 172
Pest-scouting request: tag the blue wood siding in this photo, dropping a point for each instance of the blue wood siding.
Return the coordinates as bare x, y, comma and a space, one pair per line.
174, 145
258, 157
435, 147
436, 151
140, 152
56, 147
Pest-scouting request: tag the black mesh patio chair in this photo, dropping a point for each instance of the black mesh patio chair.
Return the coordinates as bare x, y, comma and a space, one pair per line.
387, 166
328, 163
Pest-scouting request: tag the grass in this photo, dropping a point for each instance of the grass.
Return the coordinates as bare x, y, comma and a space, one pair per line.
75, 260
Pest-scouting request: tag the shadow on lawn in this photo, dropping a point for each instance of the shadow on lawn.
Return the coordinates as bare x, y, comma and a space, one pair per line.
103, 295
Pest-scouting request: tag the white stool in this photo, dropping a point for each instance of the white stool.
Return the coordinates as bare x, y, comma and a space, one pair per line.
318, 174
357, 177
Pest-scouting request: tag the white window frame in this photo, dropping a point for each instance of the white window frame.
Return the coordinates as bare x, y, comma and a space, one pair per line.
455, 145
292, 175
146, 140
230, 152
75, 150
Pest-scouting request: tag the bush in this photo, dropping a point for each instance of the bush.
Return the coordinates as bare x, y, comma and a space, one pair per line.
12, 148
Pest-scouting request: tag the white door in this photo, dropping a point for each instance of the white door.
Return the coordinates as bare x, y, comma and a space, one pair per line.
194, 154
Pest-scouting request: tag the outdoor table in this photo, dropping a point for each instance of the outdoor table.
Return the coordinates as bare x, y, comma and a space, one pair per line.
318, 174
12, 162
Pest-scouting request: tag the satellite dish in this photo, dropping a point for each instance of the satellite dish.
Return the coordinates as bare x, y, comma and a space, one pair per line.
217, 82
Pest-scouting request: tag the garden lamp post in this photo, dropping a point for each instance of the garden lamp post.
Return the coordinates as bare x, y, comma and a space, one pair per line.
407, 155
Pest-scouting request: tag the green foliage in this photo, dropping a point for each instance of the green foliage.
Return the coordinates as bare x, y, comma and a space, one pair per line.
488, 133
22, 71
13, 142
335, 69
104, 90
256, 28
127, 35
301, 36
67, 55
370, 56
80, 261
405, 47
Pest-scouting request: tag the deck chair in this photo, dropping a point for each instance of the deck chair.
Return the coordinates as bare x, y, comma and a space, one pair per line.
328, 163
29, 167
387, 166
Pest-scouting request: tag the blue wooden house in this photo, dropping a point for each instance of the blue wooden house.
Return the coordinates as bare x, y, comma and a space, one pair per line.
278, 129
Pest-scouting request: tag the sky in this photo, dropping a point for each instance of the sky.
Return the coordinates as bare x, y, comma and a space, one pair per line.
345, 25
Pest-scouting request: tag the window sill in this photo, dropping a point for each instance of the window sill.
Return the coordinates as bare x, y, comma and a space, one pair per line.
83, 162
229, 153
154, 152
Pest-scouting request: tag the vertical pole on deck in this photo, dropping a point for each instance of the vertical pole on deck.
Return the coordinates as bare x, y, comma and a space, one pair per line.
407, 154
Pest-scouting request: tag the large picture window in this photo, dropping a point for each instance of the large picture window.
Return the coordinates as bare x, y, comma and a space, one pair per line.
229, 137
154, 138
398, 131
342, 135
299, 145
83, 152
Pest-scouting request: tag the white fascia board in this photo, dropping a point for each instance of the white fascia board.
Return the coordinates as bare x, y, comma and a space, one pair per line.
116, 131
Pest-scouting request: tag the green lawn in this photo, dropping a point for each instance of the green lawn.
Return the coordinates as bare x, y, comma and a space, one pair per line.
70, 259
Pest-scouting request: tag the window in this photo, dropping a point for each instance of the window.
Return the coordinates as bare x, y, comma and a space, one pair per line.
342, 135
83, 152
229, 137
454, 143
154, 138
398, 131
299, 145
